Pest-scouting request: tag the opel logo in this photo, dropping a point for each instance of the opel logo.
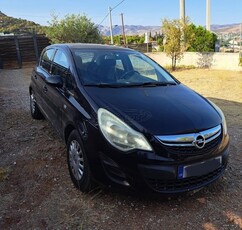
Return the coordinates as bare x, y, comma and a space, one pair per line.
199, 141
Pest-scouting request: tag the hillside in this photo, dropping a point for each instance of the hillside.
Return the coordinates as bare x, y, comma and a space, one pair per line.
17, 25
225, 29
130, 30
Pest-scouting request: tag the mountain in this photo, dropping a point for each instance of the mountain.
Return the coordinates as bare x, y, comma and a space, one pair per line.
225, 29
2, 14
140, 30
130, 30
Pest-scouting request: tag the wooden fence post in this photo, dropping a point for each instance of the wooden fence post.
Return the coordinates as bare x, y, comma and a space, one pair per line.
36, 47
18, 52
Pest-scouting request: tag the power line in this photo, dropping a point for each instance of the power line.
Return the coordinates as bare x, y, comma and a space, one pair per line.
117, 5
103, 19
111, 10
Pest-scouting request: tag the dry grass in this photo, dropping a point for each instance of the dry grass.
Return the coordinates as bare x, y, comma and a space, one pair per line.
213, 83
222, 87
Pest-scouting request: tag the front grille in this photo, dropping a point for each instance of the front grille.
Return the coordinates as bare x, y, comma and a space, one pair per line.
183, 152
186, 184
183, 146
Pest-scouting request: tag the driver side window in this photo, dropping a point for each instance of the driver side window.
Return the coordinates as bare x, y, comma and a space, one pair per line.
60, 64
46, 59
61, 67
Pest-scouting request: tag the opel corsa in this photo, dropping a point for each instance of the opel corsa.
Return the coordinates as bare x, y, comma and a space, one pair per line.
127, 121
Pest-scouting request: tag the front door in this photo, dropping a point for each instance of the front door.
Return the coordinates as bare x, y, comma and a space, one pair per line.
54, 94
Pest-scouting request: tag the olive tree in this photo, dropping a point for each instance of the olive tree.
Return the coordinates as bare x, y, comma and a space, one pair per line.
72, 29
177, 37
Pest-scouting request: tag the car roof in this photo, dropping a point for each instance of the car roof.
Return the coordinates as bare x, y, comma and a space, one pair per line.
89, 46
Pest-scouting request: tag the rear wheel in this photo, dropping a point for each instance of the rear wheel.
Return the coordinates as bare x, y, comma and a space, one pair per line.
34, 109
78, 163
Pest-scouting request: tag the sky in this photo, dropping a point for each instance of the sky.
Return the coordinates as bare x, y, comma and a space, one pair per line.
136, 12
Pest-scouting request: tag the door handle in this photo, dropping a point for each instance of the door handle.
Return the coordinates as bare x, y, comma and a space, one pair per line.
45, 89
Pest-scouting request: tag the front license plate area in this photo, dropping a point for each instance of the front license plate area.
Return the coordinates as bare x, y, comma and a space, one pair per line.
199, 169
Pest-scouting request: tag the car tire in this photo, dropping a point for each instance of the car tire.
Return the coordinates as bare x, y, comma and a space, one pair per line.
34, 109
78, 163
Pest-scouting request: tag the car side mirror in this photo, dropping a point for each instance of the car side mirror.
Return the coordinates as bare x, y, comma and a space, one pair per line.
55, 80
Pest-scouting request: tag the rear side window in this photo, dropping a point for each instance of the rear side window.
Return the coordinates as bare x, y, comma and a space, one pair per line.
85, 57
46, 59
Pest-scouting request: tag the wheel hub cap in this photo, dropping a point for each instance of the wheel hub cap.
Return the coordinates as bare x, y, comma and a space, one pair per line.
76, 160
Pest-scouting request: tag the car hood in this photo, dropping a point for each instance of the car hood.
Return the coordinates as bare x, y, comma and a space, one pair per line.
160, 110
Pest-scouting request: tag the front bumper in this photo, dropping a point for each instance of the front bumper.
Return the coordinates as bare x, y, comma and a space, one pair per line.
148, 170
158, 170
166, 179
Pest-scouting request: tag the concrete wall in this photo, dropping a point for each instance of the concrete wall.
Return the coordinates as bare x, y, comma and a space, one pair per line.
223, 61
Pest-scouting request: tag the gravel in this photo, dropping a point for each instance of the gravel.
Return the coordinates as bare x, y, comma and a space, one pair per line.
36, 191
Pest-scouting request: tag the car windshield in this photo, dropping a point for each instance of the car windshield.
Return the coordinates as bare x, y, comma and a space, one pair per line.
119, 68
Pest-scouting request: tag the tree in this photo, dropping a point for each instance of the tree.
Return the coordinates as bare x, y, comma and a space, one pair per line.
72, 29
117, 39
203, 41
105, 39
177, 38
135, 39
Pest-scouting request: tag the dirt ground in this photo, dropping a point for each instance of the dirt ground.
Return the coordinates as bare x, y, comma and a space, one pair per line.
37, 193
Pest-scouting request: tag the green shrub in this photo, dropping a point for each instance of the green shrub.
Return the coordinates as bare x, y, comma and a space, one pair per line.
240, 61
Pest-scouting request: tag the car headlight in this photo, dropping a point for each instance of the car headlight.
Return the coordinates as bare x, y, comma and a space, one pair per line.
224, 124
119, 134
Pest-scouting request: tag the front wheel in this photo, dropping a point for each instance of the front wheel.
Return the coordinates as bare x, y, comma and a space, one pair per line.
78, 164
34, 109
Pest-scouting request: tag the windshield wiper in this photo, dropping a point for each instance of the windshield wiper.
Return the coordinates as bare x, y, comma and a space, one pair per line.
151, 84
106, 85
142, 84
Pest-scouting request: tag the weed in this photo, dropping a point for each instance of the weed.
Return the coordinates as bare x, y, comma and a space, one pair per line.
3, 174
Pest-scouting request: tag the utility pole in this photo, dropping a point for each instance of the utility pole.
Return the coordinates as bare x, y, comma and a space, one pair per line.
240, 39
124, 38
111, 25
182, 10
208, 23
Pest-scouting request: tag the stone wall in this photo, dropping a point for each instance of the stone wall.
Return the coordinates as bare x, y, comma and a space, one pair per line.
223, 61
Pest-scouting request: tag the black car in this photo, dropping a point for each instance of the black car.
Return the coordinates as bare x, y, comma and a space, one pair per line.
127, 121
